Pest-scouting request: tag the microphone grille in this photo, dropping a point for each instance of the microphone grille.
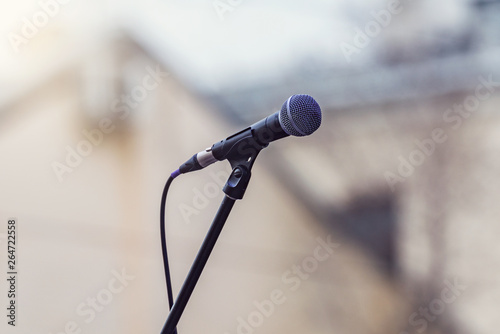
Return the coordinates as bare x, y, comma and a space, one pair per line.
300, 115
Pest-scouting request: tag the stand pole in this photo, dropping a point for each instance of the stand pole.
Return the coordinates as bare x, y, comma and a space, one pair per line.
234, 189
198, 265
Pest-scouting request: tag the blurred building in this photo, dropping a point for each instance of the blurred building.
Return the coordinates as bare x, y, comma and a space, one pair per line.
400, 177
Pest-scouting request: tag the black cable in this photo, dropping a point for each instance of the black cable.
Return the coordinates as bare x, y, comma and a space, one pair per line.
164, 244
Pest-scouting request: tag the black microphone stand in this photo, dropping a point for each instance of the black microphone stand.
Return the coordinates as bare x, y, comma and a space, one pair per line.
241, 158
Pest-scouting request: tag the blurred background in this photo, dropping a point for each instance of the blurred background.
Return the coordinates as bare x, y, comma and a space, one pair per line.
381, 222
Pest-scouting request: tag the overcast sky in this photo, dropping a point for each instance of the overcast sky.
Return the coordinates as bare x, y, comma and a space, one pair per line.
244, 42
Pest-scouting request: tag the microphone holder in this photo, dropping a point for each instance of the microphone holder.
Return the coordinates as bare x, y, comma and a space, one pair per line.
241, 157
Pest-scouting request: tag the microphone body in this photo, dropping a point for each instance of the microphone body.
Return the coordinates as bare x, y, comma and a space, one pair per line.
299, 116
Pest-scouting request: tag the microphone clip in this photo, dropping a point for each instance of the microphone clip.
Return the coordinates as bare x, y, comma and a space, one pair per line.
242, 164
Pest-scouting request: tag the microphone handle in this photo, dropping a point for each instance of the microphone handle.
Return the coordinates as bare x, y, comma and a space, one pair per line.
242, 143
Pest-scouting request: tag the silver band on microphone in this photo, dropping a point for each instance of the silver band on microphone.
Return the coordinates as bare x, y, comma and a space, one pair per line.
205, 157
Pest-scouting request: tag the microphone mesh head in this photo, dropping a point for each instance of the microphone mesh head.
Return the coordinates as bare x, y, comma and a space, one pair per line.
300, 115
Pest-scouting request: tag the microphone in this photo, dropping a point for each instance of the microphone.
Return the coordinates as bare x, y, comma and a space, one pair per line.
299, 116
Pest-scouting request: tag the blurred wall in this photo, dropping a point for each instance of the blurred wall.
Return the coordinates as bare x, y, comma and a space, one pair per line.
81, 230
108, 98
